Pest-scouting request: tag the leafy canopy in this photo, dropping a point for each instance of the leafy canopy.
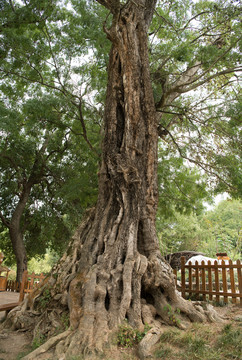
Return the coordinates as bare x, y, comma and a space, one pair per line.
53, 75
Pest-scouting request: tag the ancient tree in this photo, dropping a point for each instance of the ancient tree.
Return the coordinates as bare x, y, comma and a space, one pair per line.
112, 269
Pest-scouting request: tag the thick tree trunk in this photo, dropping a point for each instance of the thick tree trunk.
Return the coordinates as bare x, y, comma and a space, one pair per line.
19, 250
16, 234
113, 269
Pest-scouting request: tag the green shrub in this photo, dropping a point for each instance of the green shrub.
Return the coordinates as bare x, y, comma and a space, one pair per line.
128, 336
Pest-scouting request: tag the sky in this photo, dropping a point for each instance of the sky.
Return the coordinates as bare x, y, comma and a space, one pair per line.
217, 200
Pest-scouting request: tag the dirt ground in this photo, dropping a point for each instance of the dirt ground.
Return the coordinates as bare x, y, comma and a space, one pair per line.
14, 344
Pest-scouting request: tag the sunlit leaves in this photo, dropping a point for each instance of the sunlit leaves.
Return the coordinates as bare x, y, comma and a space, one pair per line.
222, 227
53, 69
195, 73
219, 230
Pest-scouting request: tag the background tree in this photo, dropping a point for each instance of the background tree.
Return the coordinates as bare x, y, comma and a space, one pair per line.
197, 54
217, 230
37, 159
182, 232
112, 269
222, 229
43, 135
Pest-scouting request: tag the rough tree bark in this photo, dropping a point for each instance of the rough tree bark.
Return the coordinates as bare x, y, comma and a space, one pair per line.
113, 269
16, 233
16, 222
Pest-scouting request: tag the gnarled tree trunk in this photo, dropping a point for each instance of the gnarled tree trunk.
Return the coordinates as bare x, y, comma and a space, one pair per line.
16, 237
113, 269
16, 233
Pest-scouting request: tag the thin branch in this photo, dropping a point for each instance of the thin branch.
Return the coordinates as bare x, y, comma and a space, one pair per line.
181, 191
12, 6
170, 112
15, 166
227, 71
54, 59
112, 5
84, 127
165, 20
205, 33
193, 18
177, 87
4, 221
202, 165
41, 83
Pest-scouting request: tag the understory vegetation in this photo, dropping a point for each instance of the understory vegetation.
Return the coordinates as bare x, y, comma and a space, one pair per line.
128, 336
216, 230
201, 342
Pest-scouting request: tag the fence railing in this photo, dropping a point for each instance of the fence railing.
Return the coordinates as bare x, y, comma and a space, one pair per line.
32, 281
212, 281
3, 283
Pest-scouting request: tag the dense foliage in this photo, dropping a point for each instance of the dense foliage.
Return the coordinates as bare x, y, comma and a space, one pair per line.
53, 78
217, 230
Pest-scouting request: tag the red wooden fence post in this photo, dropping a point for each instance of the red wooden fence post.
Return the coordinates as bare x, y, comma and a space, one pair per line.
183, 278
203, 280
239, 280
232, 283
197, 279
210, 282
216, 280
190, 278
224, 278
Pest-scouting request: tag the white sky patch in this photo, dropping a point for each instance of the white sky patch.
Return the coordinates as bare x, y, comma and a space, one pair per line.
217, 200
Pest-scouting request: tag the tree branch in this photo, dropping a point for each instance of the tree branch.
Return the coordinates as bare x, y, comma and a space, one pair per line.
84, 127
206, 167
4, 221
12, 6
223, 72
112, 5
41, 83
10, 160
179, 83
149, 11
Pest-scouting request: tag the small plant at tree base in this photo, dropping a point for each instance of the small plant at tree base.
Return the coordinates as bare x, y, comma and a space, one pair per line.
45, 298
65, 320
172, 314
38, 341
128, 336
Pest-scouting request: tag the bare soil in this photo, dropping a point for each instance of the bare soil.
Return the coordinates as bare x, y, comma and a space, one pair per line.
15, 344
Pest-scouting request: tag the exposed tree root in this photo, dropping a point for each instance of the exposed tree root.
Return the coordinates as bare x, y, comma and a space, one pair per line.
52, 342
150, 297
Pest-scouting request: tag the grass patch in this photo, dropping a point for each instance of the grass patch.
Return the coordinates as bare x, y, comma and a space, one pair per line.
230, 340
163, 352
39, 340
22, 354
201, 342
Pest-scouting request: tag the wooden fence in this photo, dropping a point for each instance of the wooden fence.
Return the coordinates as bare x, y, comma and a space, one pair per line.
3, 283
32, 281
212, 280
